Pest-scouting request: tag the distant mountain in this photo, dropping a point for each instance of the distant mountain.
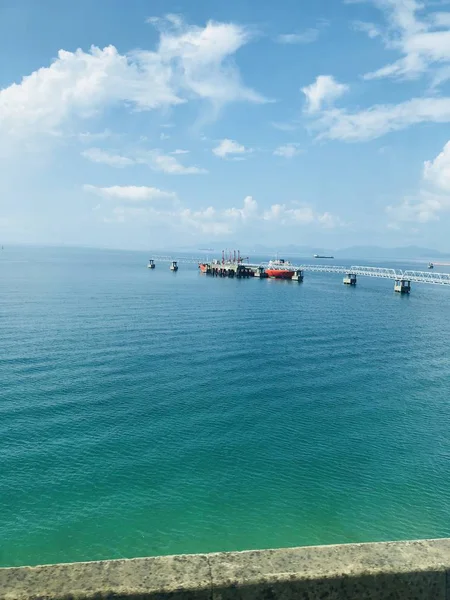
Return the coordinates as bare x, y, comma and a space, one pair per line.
353, 252
288, 250
403, 252
369, 252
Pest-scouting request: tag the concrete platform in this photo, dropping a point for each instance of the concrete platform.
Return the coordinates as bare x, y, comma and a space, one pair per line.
417, 570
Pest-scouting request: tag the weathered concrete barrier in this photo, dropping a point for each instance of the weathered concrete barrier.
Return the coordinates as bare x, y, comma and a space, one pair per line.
417, 570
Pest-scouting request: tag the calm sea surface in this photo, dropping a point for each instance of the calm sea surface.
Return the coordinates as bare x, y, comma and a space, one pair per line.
146, 412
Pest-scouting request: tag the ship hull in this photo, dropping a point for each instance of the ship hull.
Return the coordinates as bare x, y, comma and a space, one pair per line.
280, 274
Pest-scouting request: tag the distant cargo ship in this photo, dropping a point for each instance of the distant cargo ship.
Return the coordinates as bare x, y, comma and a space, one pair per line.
320, 256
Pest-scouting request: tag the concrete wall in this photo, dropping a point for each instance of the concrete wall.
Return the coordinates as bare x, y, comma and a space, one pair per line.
397, 570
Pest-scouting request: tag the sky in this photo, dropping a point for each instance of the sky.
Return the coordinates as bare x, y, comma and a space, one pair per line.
169, 124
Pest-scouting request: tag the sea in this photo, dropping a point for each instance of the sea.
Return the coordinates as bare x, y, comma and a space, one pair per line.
145, 412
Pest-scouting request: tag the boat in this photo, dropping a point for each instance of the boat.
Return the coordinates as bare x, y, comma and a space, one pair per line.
174, 266
320, 256
151, 264
280, 269
203, 267
430, 265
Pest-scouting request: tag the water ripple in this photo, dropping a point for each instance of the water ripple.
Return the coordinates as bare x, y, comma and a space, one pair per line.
149, 413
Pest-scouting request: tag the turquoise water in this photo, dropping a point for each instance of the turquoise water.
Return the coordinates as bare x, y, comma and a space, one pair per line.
146, 412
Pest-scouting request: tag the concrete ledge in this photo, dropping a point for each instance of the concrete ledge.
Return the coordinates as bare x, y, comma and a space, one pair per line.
177, 577
385, 571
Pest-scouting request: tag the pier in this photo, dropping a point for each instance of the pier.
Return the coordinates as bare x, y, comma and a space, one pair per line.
350, 279
260, 272
298, 275
402, 286
233, 265
219, 269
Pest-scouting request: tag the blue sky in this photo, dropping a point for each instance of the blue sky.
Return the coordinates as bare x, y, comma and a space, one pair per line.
164, 124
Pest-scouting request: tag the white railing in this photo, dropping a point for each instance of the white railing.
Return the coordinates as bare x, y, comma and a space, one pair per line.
323, 268
185, 260
383, 272
427, 277
377, 272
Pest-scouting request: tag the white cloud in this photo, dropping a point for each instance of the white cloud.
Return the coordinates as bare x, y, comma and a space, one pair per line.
423, 41
433, 197
113, 160
205, 221
179, 151
305, 37
441, 19
130, 193
168, 164
189, 62
421, 209
168, 19
303, 215
200, 57
441, 75
280, 212
229, 147
382, 118
154, 158
329, 221
287, 151
248, 211
164, 136
401, 15
437, 171
211, 220
77, 84
89, 137
284, 126
372, 30
323, 91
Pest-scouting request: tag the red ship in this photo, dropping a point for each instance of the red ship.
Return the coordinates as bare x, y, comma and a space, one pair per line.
280, 269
